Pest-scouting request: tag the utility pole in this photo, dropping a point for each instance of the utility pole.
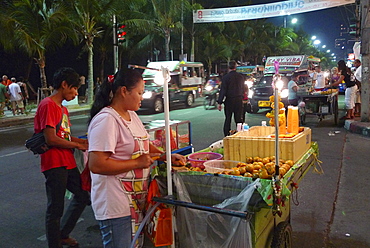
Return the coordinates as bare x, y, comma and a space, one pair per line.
115, 45
365, 52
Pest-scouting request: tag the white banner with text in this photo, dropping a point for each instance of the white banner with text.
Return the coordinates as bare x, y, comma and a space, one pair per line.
264, 10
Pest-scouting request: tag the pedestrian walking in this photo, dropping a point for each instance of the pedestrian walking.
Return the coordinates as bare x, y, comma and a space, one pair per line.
16, 97
58, 164
24, 90
3, 98
231, 95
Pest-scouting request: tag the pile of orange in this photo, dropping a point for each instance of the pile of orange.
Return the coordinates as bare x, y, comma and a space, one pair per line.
257, 167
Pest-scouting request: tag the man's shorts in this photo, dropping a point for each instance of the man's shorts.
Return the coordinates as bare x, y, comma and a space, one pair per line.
17, 103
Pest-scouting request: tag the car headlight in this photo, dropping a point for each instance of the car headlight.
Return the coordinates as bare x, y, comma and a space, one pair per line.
147, 94
249, 83
284, 93
209, 88
250, 93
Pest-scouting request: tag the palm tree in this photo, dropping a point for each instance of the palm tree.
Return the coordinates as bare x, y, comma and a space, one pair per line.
161, 17
88, 17
36, 26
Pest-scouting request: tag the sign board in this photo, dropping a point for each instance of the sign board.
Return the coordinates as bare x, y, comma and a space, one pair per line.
281, 8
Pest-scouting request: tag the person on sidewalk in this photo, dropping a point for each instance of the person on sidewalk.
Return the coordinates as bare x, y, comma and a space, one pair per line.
24, 90
16, 97
3, 98
120, 155
6, 81
351, 88
58, 164
358, 76
231, 95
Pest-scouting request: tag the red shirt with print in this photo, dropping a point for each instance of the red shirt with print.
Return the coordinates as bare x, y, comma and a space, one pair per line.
49, 114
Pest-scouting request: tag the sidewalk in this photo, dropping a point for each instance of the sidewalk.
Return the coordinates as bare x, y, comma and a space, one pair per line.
9, 120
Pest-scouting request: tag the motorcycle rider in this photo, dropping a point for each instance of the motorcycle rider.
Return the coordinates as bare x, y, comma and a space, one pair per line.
213, 81
211, 90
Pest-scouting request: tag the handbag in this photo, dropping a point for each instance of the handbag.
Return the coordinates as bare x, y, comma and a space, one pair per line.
37, 143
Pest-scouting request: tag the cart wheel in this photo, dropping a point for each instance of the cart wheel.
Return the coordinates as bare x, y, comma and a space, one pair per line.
206, 103
282, 236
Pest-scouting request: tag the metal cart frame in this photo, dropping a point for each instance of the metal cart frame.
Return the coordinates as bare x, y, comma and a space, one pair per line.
268, 228
319, 105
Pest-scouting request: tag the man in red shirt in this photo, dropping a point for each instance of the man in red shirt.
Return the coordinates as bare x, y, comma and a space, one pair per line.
6, 81
58, 164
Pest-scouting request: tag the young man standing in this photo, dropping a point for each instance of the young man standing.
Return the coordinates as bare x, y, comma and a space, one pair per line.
58, 164
318, 79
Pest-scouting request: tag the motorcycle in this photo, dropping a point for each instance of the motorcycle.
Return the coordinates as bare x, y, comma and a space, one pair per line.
211, 95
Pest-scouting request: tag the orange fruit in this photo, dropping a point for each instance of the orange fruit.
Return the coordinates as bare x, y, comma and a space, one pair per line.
257, 159
266, 160
290, 162
249, 160
249, 168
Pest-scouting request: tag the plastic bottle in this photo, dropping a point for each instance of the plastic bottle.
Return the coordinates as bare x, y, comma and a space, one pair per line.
295, 120
290, 122
245, 127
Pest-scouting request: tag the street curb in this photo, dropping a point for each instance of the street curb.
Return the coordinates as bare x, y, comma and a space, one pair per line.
358, 127
23, 120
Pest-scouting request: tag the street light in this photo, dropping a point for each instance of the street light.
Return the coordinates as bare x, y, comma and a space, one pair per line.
323, 46
313, 37
316, 42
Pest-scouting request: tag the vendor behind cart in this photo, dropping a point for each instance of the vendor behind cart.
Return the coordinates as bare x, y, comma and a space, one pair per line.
292, 90
318, 78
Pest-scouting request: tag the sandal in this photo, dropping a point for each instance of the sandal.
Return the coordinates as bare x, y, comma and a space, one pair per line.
71, 242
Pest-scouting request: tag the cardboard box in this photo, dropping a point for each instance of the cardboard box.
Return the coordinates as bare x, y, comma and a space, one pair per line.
257, 142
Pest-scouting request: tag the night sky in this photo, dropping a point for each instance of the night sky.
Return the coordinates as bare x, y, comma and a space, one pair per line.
324, 24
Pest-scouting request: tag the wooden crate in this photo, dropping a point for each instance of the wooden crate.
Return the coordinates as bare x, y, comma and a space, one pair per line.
257, 142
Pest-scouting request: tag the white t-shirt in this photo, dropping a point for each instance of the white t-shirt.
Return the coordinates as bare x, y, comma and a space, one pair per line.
320, 79
291, 93
15, 91
107, 133
358, 73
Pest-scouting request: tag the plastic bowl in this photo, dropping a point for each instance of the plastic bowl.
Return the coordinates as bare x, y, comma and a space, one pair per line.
198, 159
219, 166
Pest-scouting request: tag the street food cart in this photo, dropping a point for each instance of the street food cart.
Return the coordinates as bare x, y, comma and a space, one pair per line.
319, 103
227, 210
221, 210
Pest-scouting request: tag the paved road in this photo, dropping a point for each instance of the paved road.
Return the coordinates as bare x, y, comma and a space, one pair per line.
333, 208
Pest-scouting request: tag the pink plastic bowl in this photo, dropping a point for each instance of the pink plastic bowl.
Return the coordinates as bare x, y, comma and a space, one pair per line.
198, 159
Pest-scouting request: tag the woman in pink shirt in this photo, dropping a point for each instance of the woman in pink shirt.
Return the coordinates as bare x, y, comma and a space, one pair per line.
120, 155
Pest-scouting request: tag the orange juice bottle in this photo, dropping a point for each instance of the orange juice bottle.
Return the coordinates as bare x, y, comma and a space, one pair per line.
290, 112
295, 120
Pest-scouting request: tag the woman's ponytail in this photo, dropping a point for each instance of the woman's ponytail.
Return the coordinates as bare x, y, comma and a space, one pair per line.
102, 98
